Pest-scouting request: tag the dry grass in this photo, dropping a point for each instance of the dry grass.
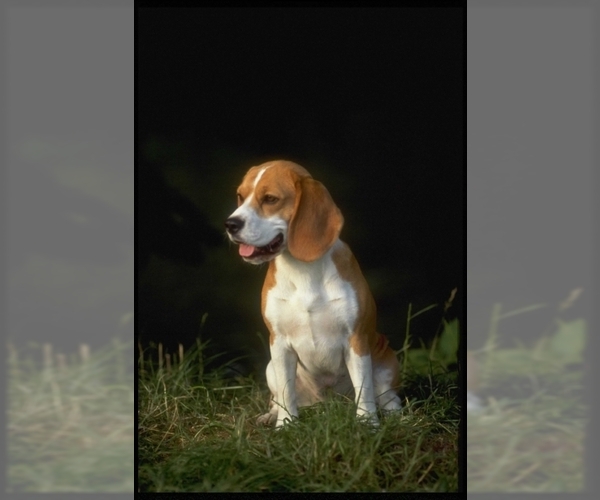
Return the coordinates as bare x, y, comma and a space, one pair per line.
198, 431
530, 436
70, 421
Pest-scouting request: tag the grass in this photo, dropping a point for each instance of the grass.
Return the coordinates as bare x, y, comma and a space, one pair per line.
70, 421
197, 433
530, 436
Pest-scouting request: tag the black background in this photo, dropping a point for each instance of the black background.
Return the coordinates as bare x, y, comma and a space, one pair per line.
370, 101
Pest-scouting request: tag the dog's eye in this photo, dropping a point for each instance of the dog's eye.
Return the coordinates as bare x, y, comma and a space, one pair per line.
240, 199
270, 199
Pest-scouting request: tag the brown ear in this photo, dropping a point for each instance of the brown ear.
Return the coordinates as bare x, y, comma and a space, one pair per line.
316, 222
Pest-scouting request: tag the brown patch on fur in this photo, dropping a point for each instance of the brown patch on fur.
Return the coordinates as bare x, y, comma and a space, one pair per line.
389, 359
305, 204
365, 338
316, 221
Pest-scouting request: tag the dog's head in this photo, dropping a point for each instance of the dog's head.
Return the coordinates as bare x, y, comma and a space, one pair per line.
281, 207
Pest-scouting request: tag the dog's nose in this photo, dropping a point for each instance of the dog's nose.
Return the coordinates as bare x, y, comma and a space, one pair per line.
234, 224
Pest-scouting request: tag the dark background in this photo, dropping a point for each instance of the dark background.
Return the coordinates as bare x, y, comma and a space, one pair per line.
370, 101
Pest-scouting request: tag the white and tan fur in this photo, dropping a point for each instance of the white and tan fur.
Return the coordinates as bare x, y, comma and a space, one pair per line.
315, 301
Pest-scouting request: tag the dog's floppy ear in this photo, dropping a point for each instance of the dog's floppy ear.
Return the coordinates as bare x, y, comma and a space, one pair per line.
316, 222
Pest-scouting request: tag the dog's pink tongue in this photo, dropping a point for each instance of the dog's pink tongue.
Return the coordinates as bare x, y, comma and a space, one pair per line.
246, 250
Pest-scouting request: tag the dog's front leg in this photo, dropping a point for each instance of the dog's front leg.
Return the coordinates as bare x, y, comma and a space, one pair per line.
285, 361
361, 373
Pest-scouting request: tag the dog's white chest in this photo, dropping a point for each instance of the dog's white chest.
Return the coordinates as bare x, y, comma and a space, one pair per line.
313, 310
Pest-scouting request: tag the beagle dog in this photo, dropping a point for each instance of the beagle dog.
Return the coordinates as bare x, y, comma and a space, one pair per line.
315, 301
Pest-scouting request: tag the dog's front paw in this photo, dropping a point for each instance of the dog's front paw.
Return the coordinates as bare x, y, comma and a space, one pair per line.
370, 419
392, 404
266, 419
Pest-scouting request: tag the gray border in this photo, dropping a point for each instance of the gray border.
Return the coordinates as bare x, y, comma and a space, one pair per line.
125, 116
3, 273
592, 447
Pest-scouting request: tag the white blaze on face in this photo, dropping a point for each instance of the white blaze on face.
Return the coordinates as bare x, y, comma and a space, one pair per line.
260, 174
244, 209
248, 200
254, 230
257, 231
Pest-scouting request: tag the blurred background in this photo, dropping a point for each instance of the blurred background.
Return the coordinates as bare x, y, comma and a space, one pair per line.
530, 230
530, 176
68, 183
370, 101
67, 202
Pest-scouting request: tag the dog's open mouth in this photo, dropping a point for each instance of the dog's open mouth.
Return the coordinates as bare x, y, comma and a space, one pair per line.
249, 251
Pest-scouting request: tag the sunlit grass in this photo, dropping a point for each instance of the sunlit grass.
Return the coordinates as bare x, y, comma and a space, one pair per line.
198, 433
